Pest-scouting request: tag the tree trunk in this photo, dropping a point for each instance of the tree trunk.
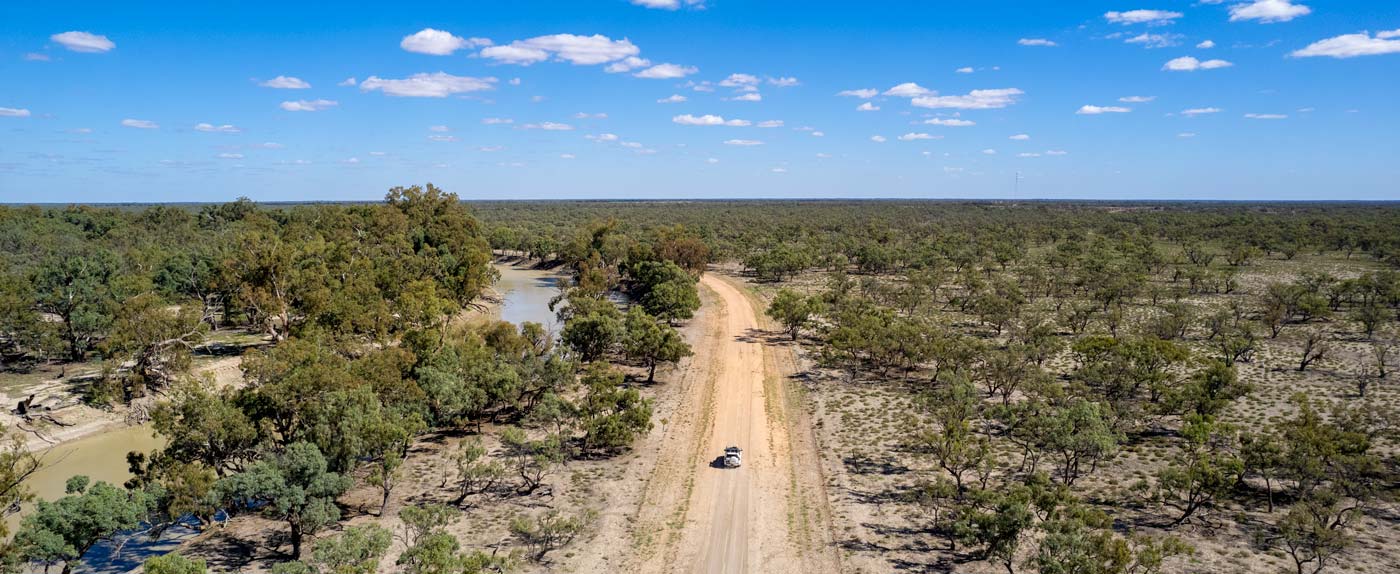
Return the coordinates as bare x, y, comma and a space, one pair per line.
296, 541
651, 373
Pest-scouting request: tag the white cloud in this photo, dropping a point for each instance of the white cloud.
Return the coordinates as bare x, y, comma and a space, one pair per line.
878, 139
223, 129
1155, 40
950, 122
784, 82
908, 90
742, 81
308, 105
579, 50
514, 81
1268, 11
1152, 17
140, 124
566, 156
602, 137
230, 156
867, 107
964, 70
770, 124
438, 85
708, 120
1353, 45
1193, 112
497, 121
743, 143
666, 72
442, 138
1190, 64
439, 129
14, 113
818, 134
1206, 45
712, 160
351, 161
36, 57
83, 42
1186, 135
989, 151
1136, 99
348, 82
515, 54
673, 99
271, 145
1042, 42
865, 94
1020, 137
548, 126
438, 42
626, 65
974, 100
490, 148
913, 136
668, 4
1266, 116
1088, 110
749, 97
1056, 152
286, 83
779, 170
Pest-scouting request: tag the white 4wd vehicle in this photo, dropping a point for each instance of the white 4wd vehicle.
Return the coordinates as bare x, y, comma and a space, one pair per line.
733, 457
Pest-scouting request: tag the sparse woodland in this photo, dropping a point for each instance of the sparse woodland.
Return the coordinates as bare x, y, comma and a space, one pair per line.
1037, 387
359, 357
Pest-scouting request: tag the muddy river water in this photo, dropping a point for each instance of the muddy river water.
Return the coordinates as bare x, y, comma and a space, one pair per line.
525, 295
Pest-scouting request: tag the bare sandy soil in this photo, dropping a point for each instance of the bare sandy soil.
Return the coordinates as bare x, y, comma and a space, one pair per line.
661, 507
699, 517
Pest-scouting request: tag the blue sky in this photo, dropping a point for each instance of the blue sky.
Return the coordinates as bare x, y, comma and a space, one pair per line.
165, 101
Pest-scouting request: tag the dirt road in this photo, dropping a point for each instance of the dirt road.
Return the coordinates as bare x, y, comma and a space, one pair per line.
769, 515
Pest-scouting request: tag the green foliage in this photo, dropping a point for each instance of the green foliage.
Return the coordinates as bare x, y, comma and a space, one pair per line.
475, 472
594, 328
793, 311
1204, 471
778, 263
530, 459
1079, 436
651, 342
1313, 532
1211, 389
204, 425
611, 416
997, 522
174, 563
549, 530
955, 444
293, 486
155, 338
355, 551
665, 290
63, 530
77, 287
